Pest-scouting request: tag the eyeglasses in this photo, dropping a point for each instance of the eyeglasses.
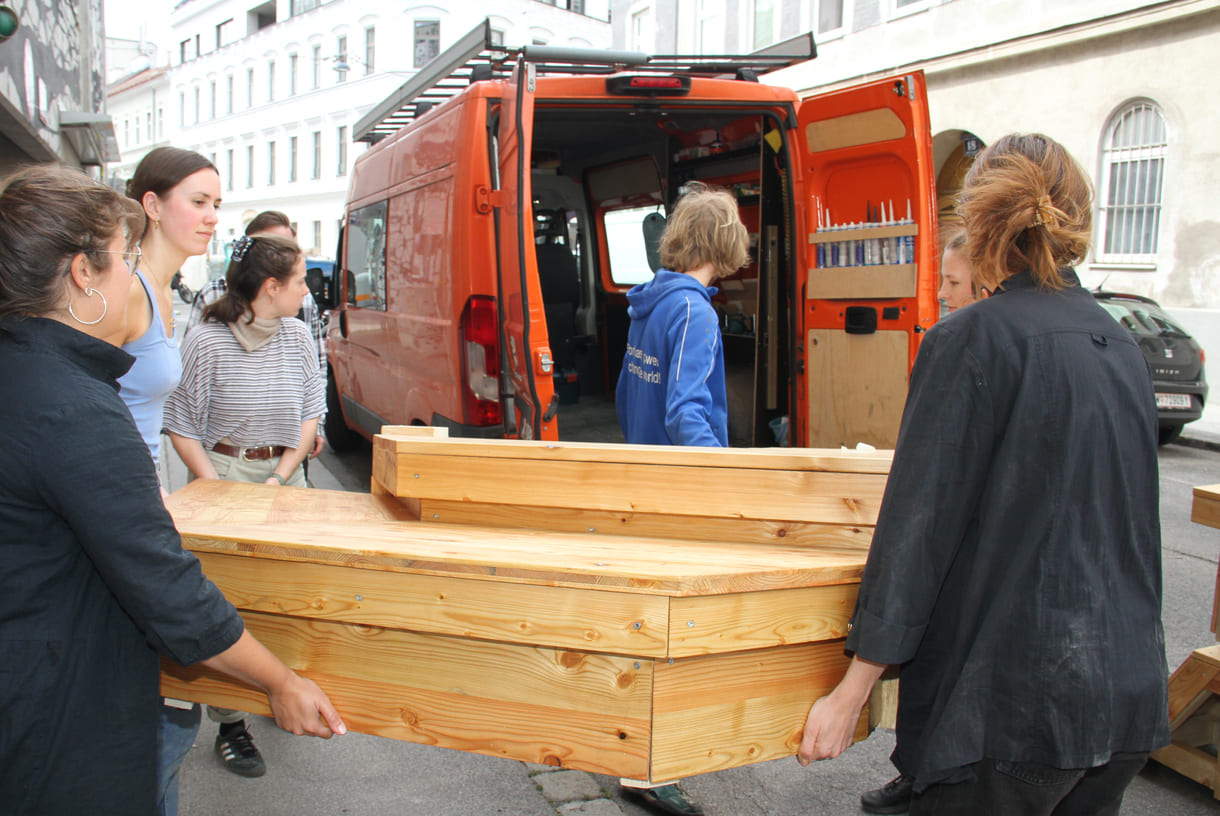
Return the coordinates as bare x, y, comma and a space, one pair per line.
132, 259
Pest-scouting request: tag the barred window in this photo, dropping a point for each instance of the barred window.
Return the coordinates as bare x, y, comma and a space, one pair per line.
1133, 178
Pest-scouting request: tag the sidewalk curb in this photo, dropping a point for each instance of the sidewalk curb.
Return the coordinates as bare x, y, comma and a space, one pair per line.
1203, 441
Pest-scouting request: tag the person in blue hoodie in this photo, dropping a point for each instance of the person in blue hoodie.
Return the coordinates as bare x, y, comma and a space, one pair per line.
671, 389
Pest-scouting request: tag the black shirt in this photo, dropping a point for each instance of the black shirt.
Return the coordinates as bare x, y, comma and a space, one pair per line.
93, 582
1015, 570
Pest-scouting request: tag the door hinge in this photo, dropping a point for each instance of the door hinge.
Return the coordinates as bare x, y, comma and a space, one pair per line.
485, 199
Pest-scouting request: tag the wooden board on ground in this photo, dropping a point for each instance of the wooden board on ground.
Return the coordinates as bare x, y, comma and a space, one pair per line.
637, 611
1194, 688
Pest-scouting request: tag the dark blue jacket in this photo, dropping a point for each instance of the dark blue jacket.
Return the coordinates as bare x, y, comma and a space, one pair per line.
93, 582
1015, 570
671, 388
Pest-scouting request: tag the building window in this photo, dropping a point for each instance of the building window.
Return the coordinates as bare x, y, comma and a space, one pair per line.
160, 123
270, 162
317, 67
765, 18
183, 50
292, 158
196, 95
249, 166
642, 36
711, 27
148, 128
317, 154
343, 150
830, 17
212, 98
222, 33
249, 87
229, 94
370, 49
271, 82
292, 74
229, 170
341, 55
301, 6
427, 41
317, 235
1132, 178
126, 132
497, 37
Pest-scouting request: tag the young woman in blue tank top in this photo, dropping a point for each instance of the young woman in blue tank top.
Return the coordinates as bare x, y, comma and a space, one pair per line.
180, 193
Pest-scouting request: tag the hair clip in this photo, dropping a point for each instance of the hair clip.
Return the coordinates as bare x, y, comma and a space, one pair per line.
1044, 213
240, 247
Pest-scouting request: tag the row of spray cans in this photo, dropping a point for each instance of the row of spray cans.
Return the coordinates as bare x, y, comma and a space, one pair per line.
851, 250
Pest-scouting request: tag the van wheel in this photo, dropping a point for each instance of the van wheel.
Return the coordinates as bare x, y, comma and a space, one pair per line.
341, 438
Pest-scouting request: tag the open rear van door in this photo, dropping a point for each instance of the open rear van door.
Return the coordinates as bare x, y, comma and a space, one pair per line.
525, 346
872, 257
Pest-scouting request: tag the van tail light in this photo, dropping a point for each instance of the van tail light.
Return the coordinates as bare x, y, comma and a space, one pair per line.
481, 361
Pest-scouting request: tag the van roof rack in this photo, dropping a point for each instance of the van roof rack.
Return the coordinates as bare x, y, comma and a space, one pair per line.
474, 57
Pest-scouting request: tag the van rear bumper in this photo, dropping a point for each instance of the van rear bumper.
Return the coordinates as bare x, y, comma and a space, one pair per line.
457, 429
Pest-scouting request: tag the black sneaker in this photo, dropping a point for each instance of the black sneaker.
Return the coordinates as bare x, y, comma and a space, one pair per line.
892, 797
669, 800
238, 754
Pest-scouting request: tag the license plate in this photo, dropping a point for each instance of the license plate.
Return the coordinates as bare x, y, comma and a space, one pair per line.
1173, 400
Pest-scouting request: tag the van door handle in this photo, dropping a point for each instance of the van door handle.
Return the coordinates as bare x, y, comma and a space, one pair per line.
551, 409
343, 323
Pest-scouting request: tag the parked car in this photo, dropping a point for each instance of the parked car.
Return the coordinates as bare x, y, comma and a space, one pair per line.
1174, 356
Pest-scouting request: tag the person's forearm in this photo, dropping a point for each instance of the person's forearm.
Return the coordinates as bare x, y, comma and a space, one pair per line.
249, 661
193, 456
857, 683
293, 457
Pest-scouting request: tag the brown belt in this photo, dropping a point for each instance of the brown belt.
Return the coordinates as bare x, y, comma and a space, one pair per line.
249, 454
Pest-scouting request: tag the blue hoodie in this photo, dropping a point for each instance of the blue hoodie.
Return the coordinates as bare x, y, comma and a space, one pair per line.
671, 388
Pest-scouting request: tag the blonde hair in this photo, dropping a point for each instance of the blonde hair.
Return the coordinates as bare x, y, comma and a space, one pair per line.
1026, 204
705, 227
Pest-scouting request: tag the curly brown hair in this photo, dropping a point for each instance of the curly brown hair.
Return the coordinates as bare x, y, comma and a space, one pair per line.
1026, 204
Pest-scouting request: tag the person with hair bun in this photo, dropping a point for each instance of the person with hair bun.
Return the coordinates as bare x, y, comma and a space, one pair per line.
94, 583
1015, 569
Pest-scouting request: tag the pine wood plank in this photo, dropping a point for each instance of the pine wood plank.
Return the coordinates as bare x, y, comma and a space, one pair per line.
834, 498
522, 613
1206, 506
218, 500
721, 711
830, 538
760, 619
832, 460
1188, 683
647, 565
557, 707
1190, 762
860, 282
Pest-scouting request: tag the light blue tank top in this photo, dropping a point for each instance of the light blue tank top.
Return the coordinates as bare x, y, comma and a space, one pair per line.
153, 376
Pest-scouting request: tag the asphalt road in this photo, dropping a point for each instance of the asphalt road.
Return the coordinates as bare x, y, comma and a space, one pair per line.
358, 774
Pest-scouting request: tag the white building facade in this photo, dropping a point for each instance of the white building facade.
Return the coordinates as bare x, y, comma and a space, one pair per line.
1118, 82
269, 91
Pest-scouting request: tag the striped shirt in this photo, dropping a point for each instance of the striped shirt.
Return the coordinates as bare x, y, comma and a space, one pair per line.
252, 398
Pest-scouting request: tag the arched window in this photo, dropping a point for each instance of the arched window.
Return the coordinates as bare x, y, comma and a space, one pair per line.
1132, 182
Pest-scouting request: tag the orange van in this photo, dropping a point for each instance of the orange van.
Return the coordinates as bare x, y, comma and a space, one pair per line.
511, 197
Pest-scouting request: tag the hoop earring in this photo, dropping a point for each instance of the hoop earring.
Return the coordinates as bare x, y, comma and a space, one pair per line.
90, 292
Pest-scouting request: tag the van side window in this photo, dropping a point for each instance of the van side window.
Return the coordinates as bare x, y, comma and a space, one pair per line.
366, 240
626, 245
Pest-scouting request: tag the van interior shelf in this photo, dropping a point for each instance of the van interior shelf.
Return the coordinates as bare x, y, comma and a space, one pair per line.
830, 236
883, 281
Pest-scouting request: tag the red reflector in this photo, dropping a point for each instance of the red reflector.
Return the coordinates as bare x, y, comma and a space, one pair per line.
656, 82
650, 85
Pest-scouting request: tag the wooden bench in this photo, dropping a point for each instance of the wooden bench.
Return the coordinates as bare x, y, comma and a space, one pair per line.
1194, 689
639, 611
